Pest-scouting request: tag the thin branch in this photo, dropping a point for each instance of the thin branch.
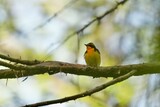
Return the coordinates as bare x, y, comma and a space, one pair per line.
69, 4
84, 94
98, 18
26, 62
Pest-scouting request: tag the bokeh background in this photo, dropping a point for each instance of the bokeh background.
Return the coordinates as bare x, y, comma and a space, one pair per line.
42, 30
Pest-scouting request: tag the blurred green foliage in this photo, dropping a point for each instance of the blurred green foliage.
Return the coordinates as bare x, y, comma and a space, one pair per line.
155, 45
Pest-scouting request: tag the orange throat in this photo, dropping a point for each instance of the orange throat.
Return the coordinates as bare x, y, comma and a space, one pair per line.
90, 50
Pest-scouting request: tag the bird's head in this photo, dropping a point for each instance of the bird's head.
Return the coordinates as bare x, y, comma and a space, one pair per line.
90, 46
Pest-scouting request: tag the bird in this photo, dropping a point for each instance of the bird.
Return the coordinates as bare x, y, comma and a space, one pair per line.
92, 55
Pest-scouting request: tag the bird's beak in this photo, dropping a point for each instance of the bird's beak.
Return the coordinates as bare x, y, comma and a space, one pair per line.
85, 44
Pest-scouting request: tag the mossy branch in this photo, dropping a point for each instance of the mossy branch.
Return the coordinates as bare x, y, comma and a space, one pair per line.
52, 67
25, 62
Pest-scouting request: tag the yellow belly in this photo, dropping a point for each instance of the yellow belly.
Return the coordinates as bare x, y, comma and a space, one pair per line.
92, 58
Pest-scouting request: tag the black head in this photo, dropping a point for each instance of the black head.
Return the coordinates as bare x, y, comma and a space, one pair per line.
91, 45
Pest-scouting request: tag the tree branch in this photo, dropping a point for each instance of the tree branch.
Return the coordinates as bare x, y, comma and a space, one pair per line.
26, 62
52, 67
84, 94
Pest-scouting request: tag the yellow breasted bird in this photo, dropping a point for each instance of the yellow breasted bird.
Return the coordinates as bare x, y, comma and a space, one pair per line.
92, 55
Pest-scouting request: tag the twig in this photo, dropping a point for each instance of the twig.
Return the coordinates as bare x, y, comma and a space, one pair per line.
70, 3
84, 94
25, 62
